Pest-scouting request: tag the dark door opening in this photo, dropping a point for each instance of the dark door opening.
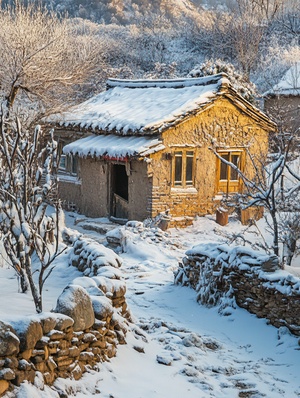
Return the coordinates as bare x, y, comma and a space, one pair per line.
119, 192
120, 181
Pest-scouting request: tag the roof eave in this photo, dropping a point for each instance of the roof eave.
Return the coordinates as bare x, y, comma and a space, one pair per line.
252, 111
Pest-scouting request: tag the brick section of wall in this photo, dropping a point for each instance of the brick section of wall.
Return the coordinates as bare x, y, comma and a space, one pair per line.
214, 270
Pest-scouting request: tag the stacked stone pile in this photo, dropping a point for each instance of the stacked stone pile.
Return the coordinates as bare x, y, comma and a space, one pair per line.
136, 231
102, 265
89, 321
250, 279
90, 257
52, 346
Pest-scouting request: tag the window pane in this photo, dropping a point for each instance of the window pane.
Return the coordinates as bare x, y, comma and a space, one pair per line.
235, 159
189, 168
74, 165
178, 168
62, 162
224, 167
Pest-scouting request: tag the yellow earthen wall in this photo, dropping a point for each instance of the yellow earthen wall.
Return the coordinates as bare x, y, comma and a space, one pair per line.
139, 191
94, 188
221, 126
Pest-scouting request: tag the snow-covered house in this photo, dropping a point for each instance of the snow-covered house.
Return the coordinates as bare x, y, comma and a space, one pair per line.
146, 146
283, 101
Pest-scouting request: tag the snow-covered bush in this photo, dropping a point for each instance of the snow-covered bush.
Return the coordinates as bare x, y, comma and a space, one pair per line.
211, 67
163, 71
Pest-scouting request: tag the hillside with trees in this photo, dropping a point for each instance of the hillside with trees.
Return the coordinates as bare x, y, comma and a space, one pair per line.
135, 38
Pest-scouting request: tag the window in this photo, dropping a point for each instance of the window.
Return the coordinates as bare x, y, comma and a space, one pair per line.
62, 162
178, 169
228, 178
183, 166
74, 164
68, 164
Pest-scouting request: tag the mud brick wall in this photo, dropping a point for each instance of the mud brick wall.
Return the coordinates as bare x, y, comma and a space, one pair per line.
253, 280
222, 123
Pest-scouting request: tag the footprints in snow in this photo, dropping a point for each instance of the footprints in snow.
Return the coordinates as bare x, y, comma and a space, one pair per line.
198, 359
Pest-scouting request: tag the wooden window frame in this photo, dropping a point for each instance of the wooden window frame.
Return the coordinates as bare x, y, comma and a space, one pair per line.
69, 162
227, 185
62, 162
74, 165
184, 155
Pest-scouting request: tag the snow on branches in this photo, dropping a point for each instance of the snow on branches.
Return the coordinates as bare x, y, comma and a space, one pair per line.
27, 166
239, 82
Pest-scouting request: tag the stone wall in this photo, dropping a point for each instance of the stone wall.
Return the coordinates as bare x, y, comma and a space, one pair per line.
224, 275
89, 321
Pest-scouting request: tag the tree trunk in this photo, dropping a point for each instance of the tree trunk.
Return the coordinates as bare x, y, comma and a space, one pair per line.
37, 298
275, 234
289, 248
24, 284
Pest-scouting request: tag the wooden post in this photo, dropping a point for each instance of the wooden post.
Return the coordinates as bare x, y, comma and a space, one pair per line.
222, 216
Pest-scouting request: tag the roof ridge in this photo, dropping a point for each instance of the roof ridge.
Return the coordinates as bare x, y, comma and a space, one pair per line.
220, 78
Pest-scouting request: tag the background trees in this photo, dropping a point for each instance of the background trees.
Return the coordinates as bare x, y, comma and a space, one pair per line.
130, 38
43, 63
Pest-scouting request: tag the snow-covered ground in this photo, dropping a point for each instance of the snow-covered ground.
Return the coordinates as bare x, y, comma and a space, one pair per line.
176, 348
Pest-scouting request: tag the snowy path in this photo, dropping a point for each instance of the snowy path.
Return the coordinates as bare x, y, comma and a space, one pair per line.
201, 353
218, 356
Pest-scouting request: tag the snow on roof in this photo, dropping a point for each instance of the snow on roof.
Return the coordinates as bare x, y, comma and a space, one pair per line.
143, 106
290, 82
113, 146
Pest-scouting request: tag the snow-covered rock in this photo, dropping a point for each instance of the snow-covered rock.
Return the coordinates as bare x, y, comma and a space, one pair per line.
9, 342
76, 303
89, 256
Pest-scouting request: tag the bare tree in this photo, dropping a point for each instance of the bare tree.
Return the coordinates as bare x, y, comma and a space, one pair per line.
26, 184
289, 226
275, 186
264, 9
43, 63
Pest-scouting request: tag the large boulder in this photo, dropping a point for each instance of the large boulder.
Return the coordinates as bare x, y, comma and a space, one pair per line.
4, 385
76, 303
28, 330
9, 342
103, 308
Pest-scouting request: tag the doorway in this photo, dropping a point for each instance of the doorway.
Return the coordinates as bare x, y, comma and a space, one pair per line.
119, 185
